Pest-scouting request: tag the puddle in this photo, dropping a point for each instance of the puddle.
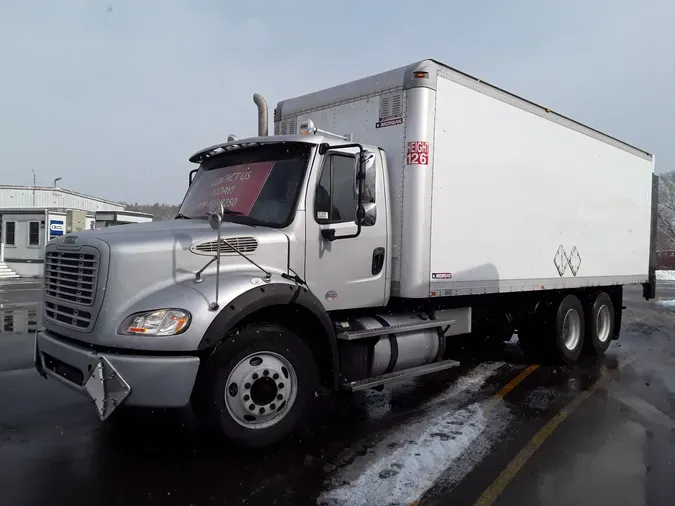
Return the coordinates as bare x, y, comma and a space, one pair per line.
19, 320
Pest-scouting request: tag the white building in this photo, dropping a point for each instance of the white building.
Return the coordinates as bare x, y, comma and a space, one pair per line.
31, 216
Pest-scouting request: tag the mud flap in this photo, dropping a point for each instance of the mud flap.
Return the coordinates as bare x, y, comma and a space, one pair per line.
649, 288
106, 387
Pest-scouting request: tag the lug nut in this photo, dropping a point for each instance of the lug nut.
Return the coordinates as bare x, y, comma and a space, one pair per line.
255, 376
252, 407
262, 411
279, 397
247, 397
273, 406
247, 386
281, 385
275, 376
266, 372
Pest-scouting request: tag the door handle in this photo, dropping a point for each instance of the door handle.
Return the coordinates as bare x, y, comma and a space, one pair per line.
378, 261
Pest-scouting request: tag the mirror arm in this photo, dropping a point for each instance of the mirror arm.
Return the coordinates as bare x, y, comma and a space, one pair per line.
198, 274
214, 304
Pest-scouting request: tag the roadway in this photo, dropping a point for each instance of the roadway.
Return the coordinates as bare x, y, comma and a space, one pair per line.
494, 431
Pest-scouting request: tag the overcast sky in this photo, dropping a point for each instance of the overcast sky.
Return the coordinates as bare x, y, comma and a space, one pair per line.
114, 96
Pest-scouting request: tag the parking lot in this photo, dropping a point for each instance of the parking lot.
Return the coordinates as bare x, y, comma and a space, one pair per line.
496, 430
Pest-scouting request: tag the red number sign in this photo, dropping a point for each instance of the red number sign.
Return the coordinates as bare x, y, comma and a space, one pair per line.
417, 153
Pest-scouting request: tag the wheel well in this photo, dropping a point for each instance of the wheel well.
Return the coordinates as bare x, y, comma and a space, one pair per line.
304, 324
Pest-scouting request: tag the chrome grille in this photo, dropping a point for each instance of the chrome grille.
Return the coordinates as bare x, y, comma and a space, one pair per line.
71, 277
243, 244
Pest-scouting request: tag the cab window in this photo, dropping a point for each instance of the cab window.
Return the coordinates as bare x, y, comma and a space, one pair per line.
335, 201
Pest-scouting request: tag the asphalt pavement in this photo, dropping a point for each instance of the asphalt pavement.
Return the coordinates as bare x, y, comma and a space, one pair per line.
496, 430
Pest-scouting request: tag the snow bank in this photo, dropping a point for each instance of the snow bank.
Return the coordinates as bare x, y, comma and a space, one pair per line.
665, 275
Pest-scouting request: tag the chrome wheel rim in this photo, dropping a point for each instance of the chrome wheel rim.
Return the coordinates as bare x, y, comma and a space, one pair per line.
603, 323
571, 331
261, 390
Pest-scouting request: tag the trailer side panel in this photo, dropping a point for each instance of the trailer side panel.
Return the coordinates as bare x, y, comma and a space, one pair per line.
524, 203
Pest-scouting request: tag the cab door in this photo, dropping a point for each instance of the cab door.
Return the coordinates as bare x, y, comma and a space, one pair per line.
344, 271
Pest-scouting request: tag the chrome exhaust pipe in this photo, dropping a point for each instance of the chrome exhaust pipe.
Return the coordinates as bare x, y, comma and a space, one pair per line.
262, 114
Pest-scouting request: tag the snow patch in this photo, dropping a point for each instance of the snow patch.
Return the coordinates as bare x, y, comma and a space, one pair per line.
408, 461
666, 302
378, 404
665, 275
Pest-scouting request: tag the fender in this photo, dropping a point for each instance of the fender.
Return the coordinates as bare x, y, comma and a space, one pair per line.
264, 296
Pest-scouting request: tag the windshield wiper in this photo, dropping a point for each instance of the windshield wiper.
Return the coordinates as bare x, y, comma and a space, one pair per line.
230, 211
181, 216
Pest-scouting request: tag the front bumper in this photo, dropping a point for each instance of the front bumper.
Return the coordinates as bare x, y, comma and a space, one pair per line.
112, 378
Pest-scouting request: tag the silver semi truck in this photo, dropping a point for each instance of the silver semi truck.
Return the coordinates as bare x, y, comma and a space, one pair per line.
382, 218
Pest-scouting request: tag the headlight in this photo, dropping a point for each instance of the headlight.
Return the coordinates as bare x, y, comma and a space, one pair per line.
161, 322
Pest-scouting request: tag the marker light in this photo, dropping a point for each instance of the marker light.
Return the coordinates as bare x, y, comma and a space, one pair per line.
161, 322
307, 128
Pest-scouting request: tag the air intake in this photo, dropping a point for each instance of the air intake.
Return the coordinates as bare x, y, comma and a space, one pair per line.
243, 244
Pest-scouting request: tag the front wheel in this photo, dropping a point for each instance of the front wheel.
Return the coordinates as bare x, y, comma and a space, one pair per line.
257, 386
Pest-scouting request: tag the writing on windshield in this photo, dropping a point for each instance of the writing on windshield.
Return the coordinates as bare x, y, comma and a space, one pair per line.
237, 187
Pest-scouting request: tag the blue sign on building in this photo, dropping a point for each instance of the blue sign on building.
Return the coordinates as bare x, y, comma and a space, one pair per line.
57, 227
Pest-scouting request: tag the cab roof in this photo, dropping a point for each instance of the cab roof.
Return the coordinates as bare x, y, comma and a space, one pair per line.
217, 149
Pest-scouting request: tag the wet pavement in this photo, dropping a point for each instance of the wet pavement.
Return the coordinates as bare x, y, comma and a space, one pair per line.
495, 430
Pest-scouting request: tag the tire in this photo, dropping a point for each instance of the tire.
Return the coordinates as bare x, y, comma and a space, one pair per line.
546, 335
257, 386
599, 325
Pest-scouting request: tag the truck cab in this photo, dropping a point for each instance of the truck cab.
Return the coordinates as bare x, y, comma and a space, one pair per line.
136, 314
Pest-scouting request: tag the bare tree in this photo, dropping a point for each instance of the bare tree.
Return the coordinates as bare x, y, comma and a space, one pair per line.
666, 209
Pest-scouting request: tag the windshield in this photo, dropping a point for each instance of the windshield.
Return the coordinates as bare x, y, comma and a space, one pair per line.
257, 185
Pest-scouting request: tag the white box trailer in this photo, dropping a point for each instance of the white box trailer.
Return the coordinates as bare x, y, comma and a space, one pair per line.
304, 263
492, 193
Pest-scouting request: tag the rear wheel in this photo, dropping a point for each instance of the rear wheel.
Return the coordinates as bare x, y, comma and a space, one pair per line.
555, 331
257, 386
599, 325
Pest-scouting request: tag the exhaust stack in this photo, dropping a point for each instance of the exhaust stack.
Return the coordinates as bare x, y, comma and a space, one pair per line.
262, 114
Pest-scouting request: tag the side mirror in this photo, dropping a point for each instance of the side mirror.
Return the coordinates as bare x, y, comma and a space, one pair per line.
215, 214
369, 214
363, 168
357, 179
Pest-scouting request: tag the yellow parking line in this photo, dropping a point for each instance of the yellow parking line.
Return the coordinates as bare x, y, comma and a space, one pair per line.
500, 395
514, 382
490, 495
